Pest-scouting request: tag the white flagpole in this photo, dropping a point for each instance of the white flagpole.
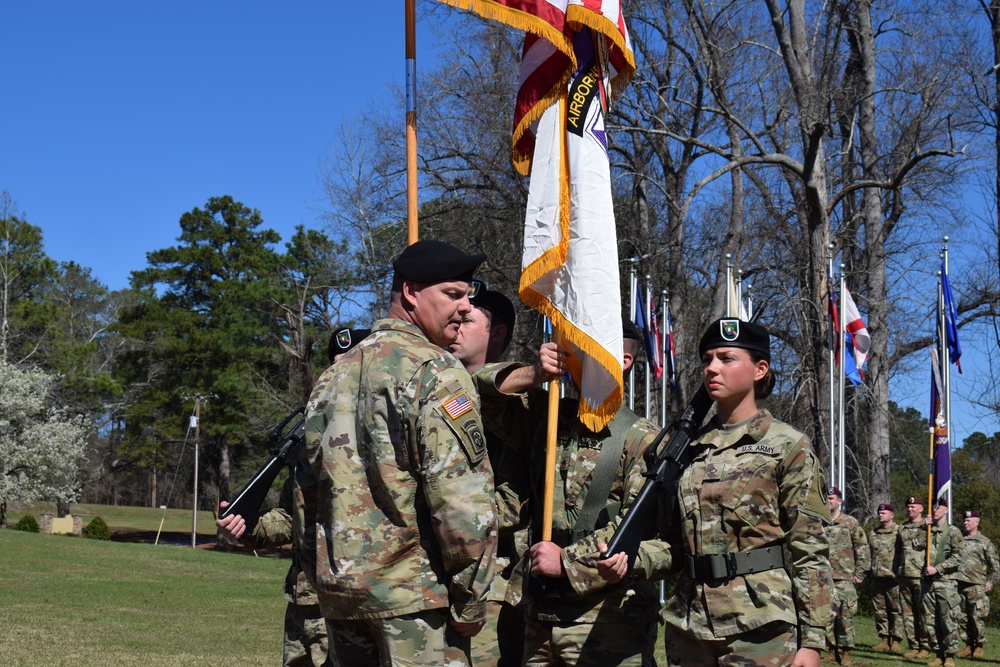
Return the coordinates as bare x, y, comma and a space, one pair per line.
646, 306
631, 310
729, 286
833, 373
840, 384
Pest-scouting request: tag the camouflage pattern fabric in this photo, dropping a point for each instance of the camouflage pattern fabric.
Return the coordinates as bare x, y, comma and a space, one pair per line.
771, 645
583, 598
589, 645
911, 546
304, 642
978, 568
501, 641
884, 588
405, 518
753, 485
423, 639
940, 592
849, 558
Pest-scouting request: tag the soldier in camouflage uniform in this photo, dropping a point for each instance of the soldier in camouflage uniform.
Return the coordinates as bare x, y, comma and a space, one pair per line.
482, 339
940, 596
911, 555
574, 617
751, 493
976, 576
305, 641
850, 561
405, 533
885, 588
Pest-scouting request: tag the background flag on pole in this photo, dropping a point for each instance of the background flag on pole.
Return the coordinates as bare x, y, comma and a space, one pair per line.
576, 53
654, 342
950, 319
671, 359
850, 368
859, 340
942, 443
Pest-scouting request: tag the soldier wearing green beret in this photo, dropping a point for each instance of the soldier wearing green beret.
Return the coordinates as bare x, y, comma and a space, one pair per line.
405, 520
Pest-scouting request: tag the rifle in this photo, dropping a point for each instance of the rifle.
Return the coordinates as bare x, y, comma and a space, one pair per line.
285, 446
663, 472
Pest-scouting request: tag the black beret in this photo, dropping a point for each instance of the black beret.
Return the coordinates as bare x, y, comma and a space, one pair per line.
435, 262
914, 500
834, 491
495, 302
630, 330
885, 507
343, 340
732, 332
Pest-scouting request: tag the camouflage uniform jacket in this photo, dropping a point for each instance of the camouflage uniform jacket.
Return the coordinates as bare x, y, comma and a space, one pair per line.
274, 529
405, 516
946, 549
849, 555
979, 564
911, 549
883, 549
583, 597
753, 485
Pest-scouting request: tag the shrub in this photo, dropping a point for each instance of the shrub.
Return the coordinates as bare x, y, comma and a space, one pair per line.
27, 523
97, 530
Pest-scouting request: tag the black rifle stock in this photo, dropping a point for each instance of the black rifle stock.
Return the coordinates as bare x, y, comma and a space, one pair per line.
285, 445
663, 471
664, 467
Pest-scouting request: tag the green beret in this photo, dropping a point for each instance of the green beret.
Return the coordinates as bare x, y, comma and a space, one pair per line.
732, 332
435, 262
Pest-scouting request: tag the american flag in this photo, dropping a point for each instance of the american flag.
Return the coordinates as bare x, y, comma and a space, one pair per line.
458, 405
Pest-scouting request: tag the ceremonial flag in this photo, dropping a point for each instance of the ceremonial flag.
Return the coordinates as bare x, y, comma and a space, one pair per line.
850, 368
950, 319
577, 54
942, 443
860, 342
671, 359
654, 342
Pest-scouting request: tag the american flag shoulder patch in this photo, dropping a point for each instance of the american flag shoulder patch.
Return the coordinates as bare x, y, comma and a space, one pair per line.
458, 405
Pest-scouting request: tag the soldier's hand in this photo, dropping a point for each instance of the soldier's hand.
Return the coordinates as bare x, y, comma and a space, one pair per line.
551, 362
612, 569
232, 526
858, 581
806, 657
930, 570
467, 629
546, 560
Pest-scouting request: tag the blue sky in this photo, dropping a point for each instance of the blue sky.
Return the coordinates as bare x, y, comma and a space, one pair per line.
117, 117
120, 116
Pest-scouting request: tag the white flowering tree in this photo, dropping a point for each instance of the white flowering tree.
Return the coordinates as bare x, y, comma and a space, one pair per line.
40, 445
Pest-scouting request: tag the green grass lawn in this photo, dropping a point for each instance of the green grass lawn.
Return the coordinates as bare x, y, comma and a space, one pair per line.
85, 603
123, 518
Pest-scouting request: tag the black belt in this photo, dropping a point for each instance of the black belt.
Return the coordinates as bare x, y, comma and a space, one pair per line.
714, 567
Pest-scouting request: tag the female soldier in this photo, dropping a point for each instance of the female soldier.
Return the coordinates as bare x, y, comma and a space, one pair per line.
756, 576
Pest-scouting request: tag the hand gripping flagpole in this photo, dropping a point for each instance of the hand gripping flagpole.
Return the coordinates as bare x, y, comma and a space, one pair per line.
412, 230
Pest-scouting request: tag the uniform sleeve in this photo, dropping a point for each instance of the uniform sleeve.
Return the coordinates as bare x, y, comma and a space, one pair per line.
805, 513
992, 563
862, 553
653, 561
458, 488
953, 551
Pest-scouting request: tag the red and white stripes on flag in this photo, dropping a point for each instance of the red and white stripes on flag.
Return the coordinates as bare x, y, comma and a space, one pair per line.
577, 53
854, 325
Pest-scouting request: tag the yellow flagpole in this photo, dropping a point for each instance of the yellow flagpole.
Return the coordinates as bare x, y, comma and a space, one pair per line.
551, 433
412, 229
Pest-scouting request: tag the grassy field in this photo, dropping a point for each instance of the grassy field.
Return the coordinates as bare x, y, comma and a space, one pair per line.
123, 519
71, 601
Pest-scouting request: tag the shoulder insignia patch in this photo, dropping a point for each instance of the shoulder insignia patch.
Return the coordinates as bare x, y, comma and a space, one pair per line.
458, 405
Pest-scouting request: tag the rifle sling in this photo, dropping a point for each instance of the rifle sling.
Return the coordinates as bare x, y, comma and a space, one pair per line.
604, 474
715, 567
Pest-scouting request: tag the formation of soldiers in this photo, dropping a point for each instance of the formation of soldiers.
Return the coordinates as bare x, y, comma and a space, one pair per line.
416, 529
936, 599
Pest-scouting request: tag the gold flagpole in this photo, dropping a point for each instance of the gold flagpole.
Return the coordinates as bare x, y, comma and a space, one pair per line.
411, 123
